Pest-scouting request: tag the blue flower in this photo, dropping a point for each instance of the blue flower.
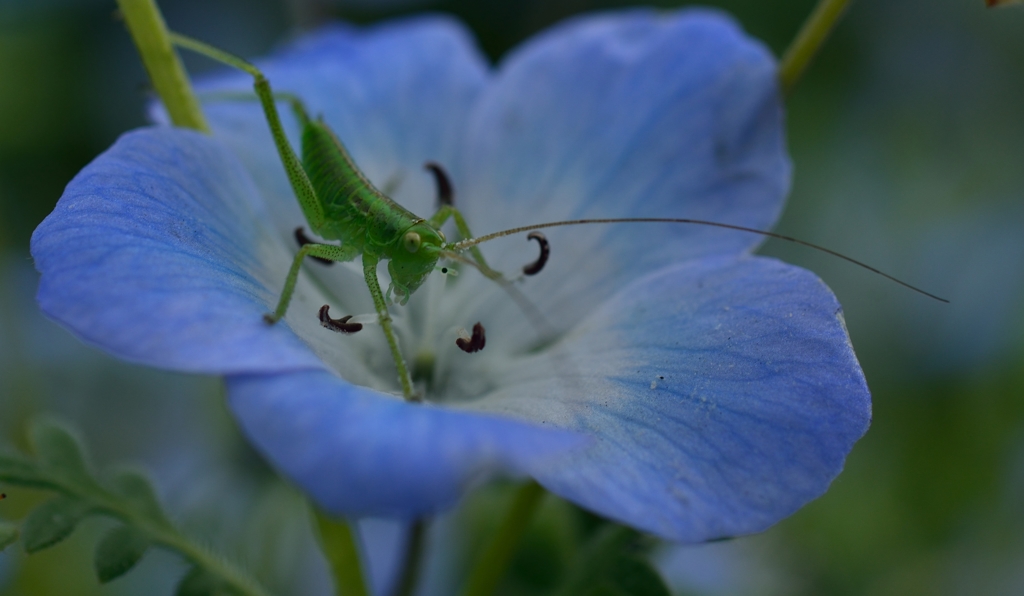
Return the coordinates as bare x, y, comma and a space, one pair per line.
690, 389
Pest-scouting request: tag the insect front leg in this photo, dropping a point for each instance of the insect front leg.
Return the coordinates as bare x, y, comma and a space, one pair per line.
446, 209
447, 212
329, 252
370, 261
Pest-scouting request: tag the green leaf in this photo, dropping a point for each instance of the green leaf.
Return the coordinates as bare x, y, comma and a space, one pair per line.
338, 542
118, 551
18, 470
52, 522
199, 582
60, 452
8, 535
136, 488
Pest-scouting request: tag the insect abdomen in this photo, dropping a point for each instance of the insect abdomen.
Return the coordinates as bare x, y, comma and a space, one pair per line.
356, 211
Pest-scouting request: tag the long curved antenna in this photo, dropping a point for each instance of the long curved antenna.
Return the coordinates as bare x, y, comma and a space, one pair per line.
470, 242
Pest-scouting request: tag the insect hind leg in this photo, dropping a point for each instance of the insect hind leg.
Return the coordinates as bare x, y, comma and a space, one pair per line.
311, 205
294, 102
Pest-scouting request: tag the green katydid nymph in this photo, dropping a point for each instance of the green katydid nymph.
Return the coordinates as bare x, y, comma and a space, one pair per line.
340, 203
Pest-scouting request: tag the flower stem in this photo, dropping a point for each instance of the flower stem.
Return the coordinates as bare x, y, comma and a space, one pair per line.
491, 566
147, 27
413, 558
337, 540
807, 42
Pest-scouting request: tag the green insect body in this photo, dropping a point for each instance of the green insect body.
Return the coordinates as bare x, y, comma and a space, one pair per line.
340, 203
363, 218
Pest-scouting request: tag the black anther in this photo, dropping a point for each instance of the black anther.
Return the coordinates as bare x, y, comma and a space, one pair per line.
303, 240
340, 325
475, 343
545, 251
445, 194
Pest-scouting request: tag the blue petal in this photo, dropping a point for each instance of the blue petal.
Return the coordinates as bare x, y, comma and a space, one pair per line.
395, 94
158, 253
722, 395
357, 452
633, 114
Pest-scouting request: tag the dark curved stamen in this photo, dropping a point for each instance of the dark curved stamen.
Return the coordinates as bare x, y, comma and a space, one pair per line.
445, 194
303, 240
545, 251
475, 343
340, 325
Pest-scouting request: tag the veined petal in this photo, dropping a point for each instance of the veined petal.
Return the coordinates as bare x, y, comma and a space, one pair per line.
160, 252
395, 94
357, 452
169, 248
642, 114
721, 395
631, 114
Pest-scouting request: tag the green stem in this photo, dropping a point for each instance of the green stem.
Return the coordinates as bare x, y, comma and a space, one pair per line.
161, 532
337, 540
237, 580
165, 70
413, 557
807, 42
168, 536
491, 565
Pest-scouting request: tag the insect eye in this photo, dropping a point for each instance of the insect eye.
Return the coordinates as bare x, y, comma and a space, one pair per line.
411, 241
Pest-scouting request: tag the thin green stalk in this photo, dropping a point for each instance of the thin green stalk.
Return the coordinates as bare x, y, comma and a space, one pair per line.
165, 534
807, 42
147, 28
237, 580
337, 540
491, 565
413, 559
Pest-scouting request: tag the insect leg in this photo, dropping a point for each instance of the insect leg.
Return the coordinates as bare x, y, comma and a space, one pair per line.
301, 185
370, 261
323, 251
446, 209
303, 240
449, 211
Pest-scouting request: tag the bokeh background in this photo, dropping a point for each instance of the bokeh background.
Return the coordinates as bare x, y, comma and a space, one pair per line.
908, 138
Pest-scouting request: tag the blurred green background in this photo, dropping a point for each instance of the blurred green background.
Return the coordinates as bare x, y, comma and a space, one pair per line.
907, 135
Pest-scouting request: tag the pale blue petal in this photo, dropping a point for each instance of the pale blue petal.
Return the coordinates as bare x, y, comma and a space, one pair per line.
722, 395
396, 95
159, 253
164, 251
357, 452
632, 114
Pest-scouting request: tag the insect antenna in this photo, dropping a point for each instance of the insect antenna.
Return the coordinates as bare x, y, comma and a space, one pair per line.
471, 242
